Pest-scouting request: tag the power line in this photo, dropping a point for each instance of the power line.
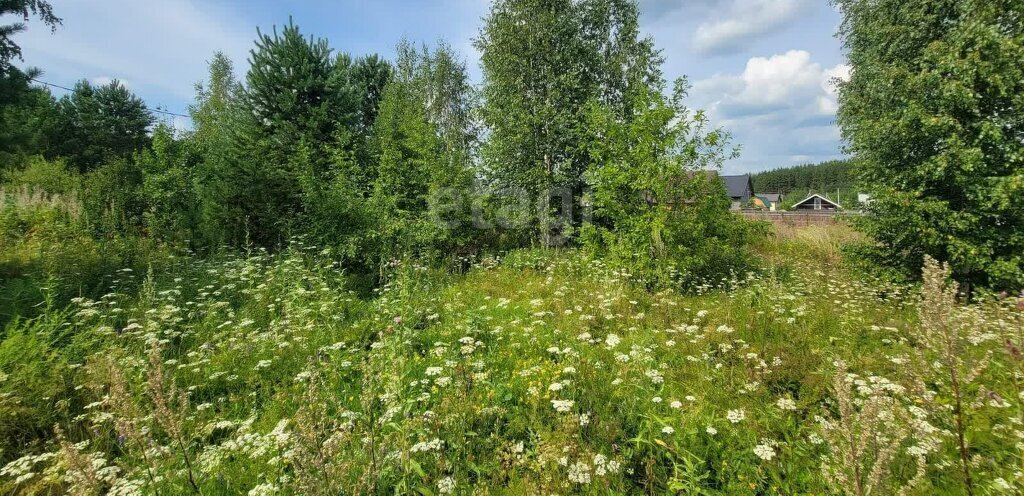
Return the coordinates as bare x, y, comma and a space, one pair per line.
70, 89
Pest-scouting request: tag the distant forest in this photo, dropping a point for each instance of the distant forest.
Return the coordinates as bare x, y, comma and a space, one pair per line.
826, 178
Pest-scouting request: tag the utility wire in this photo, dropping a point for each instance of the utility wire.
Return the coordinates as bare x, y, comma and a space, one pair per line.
70, 89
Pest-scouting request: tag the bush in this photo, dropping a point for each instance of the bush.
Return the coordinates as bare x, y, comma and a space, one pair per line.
659, 213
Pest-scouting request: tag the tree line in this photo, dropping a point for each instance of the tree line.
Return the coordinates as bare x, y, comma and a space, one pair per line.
828, 176
574, 136
383, 159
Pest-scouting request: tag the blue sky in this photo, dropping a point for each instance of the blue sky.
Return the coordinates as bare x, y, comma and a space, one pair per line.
761, 68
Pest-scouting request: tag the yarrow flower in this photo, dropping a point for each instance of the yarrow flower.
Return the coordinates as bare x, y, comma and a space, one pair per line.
711, 430
764, 451
668, 430
579, 473
735, 416
786, 404
562, 405
446, 485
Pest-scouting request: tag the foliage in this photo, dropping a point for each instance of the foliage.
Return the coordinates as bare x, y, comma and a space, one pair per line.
422, 143
823, 178
932, 113
295, 105
543, 63
51, 176
172, 207
28, 119
100, 124
657, 209
9, 50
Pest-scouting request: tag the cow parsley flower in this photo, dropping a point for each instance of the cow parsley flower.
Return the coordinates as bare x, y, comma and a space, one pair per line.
562, 405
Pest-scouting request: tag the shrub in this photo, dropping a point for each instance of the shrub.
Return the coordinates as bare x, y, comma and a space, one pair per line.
658, 211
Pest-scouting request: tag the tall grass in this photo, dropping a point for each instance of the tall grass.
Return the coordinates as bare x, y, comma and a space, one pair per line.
541, 372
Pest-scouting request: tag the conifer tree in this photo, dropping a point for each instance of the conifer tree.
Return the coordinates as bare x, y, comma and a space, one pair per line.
292, 108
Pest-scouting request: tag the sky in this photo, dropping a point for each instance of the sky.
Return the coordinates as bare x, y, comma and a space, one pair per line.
762, 69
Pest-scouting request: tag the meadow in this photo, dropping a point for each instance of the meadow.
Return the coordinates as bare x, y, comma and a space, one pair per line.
539, 372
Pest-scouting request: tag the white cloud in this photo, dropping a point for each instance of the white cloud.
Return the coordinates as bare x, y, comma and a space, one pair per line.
744, 20
780, 108
768, 85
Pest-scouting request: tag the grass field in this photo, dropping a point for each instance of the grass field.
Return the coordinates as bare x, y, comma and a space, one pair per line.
543, 372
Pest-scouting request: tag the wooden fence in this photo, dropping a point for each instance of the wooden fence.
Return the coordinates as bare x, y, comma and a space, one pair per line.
798, 218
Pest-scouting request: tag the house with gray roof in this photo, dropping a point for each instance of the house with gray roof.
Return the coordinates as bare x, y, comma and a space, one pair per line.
739, 188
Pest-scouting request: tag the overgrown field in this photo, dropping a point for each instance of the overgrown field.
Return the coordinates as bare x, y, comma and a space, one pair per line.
538, 373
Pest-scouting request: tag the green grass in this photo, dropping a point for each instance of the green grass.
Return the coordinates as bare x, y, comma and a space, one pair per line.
544, 372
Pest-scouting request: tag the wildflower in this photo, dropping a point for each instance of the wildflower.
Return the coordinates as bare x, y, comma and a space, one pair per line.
711, 430
1000, 483
612, 340
667, 430
786, 404
446, 485
735, 416
264, 489
562, 405
656, 399
426, 446
579, 473
555, 387
764, 451
433, 371
676, 404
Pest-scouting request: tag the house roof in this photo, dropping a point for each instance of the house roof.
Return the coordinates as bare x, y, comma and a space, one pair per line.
772, 197
738, 186
823, 199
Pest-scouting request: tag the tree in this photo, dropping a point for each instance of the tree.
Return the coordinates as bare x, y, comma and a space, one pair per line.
211, 110
370, 74
295, 104
9, 50
659, 210
29, 119
933, 111
213, 119
168, 187
100, 124
422, 137
543, 63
